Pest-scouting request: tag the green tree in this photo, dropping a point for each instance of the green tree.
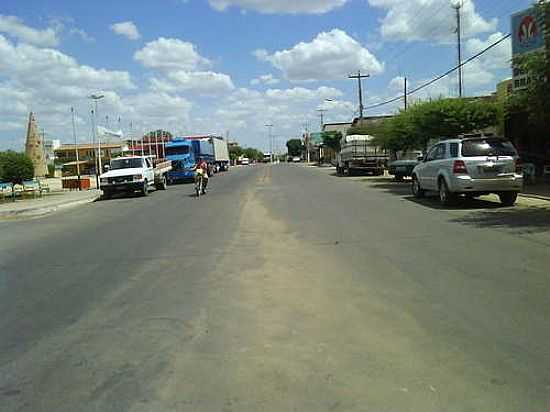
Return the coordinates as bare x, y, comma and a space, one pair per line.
444, 118
15, 167
332, 140
253, 154
235, 152
295, 147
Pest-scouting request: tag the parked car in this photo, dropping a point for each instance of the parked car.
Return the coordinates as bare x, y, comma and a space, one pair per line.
296, 159
470, 167
403, 163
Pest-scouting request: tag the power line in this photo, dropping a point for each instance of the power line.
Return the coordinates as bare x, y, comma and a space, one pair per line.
448, 72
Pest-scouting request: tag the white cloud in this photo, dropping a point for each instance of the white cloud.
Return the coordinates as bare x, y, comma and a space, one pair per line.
201, 82
330, 56
397, 84
50, 70
15, 28
82, 34
127, 29
171, 54
499, 57
429, 20
280, 6
245, 112
300, 94
49, 82
267, 79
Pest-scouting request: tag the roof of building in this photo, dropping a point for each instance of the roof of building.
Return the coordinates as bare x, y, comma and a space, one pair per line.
336, 124
88, 146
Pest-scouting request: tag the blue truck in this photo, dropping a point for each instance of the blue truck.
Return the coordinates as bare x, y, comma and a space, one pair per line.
184, 154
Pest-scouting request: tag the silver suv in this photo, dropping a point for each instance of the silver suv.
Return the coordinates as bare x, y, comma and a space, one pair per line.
472, 167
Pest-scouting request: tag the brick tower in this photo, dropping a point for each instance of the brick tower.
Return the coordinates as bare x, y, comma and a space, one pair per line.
34, 148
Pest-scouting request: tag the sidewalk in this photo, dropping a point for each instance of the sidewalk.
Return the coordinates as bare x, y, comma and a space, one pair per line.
538, 190
48, 203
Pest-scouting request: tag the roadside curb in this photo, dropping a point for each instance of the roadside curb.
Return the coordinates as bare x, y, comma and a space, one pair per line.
44, 210
532, 196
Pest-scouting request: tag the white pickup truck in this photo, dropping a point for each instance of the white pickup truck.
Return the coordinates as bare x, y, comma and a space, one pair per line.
134, 173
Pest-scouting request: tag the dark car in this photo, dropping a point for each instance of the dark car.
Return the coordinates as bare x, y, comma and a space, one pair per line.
404, 164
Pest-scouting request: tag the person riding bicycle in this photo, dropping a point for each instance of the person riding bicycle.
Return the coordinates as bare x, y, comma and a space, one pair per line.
201, 168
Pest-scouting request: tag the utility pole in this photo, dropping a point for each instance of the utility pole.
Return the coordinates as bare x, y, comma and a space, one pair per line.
132, 139
322, 113
405, 95
76, 149
457, 6
359, 77
270, 127
306, 140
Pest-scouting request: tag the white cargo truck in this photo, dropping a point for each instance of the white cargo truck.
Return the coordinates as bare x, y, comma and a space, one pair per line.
359, 153
221, 153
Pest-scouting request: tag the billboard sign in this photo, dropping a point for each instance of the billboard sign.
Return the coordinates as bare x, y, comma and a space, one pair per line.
527, 32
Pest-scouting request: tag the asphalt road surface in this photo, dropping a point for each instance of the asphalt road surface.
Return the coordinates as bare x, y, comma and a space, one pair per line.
286, 288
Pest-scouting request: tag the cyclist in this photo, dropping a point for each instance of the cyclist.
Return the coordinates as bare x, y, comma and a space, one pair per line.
201, 168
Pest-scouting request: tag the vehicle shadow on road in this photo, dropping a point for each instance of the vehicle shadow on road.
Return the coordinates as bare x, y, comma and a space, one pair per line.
403, 189
522, 220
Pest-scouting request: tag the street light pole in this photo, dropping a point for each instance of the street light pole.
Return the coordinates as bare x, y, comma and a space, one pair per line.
270, 127
95, 98
76, 149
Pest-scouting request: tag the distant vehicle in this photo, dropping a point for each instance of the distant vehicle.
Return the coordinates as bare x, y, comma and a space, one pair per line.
134, 173
359, 153
470, 167
403, 163
245, 161
184, 154
296, 159
221, 153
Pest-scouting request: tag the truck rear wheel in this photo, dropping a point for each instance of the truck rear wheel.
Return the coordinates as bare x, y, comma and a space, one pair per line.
508, 198
162, 184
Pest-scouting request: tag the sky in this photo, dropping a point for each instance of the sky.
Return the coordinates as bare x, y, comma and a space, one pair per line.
230, 67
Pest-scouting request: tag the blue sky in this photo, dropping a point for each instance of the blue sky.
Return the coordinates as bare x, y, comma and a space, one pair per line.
218, 66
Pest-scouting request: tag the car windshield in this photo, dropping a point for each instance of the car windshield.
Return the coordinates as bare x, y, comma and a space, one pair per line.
177, 150
409, 155
126, 163
488, 147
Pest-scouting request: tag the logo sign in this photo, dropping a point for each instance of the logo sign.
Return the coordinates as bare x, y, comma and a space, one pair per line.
527, 32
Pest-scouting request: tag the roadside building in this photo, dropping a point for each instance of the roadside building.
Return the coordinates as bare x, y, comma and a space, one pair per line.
66, 156
49, 150
337, 127
530, 34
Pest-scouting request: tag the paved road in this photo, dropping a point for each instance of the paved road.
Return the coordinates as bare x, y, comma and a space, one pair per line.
285, 289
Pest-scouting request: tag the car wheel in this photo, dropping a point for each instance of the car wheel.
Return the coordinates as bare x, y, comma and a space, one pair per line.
508, 198
417, 191
162, 185
446, 198
145, 188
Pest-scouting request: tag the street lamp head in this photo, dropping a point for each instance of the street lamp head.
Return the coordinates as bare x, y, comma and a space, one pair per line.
97, 96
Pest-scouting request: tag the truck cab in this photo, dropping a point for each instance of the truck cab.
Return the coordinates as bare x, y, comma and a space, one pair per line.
182, 155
